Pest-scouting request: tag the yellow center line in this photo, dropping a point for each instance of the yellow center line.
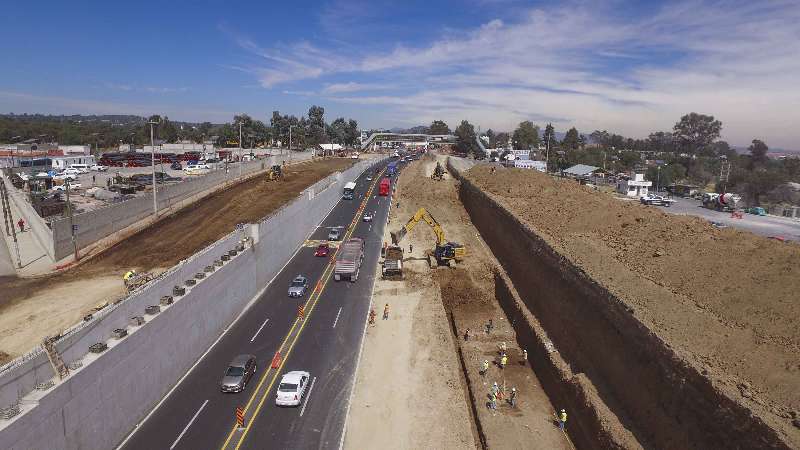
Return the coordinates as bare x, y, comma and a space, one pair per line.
312, 300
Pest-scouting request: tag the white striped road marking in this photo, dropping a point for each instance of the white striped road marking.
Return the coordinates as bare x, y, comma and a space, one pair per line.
259, 330
188, 425
311, 388
337, 317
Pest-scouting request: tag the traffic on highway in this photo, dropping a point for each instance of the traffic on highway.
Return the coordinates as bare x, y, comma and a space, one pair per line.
305, 344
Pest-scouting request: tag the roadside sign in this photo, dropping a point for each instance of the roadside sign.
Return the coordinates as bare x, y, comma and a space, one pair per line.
74, 228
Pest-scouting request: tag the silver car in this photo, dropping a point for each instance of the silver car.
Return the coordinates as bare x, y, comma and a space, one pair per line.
335, 234
238, 373
298, 286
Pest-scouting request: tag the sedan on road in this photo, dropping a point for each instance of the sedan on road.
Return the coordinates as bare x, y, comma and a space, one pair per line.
238, 373
335, 234
292, 388
322, 250
63, 187
298, 286
368, 217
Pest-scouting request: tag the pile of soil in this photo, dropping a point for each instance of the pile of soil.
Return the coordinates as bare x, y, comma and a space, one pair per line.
728, 299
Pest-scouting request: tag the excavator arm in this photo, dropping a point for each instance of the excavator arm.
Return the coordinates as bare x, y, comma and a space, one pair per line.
420, 215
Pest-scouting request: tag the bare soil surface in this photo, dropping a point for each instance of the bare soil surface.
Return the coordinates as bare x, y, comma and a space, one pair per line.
443, 299
725, 299
31, 309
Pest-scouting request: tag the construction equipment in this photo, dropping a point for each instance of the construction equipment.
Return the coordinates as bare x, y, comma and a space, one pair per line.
137, 280
721, 202
392, 262
444, 252
275, 173
348, 260
438, 172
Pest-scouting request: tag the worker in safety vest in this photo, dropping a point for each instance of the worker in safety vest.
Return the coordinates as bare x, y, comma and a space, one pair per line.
503, 361
128, 275
484, 367
562, 419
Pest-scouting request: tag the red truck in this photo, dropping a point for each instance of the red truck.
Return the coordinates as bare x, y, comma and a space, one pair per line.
384, 187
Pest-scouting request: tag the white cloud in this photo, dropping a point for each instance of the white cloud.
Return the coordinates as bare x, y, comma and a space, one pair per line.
583, 64
148, 89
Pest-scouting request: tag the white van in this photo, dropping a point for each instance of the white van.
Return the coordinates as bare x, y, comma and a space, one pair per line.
81, 168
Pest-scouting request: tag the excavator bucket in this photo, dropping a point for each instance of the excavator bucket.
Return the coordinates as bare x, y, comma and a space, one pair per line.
398, 235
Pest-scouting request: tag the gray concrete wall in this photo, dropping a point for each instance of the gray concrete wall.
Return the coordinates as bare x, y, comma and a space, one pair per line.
41, 232
99, 403
98, 224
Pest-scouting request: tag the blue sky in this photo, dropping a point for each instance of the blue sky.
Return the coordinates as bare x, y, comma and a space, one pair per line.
629, 67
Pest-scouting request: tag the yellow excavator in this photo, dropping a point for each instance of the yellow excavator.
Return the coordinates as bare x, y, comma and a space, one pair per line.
444, 251
275, 173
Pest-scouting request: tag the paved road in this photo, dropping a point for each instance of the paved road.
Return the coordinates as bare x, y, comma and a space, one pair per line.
761, 225
197, 415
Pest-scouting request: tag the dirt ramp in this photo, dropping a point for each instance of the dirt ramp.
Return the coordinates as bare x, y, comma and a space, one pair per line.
618, 363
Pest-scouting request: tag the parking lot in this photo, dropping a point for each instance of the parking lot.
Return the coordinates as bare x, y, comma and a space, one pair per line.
761, 225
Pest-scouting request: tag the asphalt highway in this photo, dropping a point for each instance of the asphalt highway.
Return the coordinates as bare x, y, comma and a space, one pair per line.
196, 415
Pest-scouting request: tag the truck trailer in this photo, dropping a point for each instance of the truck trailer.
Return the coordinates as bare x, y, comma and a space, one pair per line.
384, 187
348, 260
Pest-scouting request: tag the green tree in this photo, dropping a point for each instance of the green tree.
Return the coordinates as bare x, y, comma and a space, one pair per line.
526, 136
549, 137
694, 133
315, 134
465, 139
571, 139
661, 141
438, 127
758, 153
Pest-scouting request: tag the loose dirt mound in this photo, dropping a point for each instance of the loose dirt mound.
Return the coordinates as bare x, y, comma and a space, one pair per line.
33, 308
729, 298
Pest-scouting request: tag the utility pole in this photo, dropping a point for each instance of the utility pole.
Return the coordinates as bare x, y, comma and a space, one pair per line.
724, 173
240, 149
153, 165
658, 178
547, 154
71, 220
290, 142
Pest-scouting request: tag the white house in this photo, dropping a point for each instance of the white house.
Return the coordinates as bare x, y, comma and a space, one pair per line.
528, 164
63, 162
635, 186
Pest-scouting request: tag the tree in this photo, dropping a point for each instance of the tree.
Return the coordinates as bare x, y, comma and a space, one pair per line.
438, 127
316, 126
338, 131
501, 139
758, 153
492, 138
526, 136
351, 133
694, 133
465, 139
571, 139
550, 135
722, 148
661, 141
601, 138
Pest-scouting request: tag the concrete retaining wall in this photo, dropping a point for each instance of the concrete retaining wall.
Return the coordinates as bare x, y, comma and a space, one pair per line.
99, 403
34, 222
95, 225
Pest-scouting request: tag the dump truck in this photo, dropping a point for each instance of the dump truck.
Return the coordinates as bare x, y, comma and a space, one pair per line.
348, 260
392, 262
444, 251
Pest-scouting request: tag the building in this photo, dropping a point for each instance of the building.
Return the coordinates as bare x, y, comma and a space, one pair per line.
63, 162
528, 164
579, 171
70, 150
635, 187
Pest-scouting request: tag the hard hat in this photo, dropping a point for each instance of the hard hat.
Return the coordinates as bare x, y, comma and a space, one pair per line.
564, 410
514, 389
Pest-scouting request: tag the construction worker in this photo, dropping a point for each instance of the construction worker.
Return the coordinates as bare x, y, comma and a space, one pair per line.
466, 335
503, 348
524, 357
512, 398
128, 275
484, 367
489, 326
503, 361
372, 317
386, 312
21, 224
562, 419
495, 388
492, 400
410, 248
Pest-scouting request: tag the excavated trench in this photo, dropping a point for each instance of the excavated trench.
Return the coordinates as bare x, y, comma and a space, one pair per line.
624, 387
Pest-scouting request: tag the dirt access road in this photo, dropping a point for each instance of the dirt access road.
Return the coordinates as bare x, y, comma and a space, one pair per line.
34, 308
411, 390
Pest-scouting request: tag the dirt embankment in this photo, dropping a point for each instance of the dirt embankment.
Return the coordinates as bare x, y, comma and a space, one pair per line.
683, 330
33, 308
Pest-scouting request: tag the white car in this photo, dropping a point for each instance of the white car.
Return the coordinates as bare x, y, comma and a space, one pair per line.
196, 169
63, 188
99, 168
292, 388
66, 176
368, 217
24, 176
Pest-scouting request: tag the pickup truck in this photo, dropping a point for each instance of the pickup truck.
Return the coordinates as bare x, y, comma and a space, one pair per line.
652, 199
348, 260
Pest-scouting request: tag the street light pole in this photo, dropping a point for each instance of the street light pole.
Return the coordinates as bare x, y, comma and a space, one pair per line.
290, 142
153, 165
71, 220
658, 178
240, 149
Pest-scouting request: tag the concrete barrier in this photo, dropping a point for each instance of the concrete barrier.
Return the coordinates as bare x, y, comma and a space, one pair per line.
41, 232
102, 400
